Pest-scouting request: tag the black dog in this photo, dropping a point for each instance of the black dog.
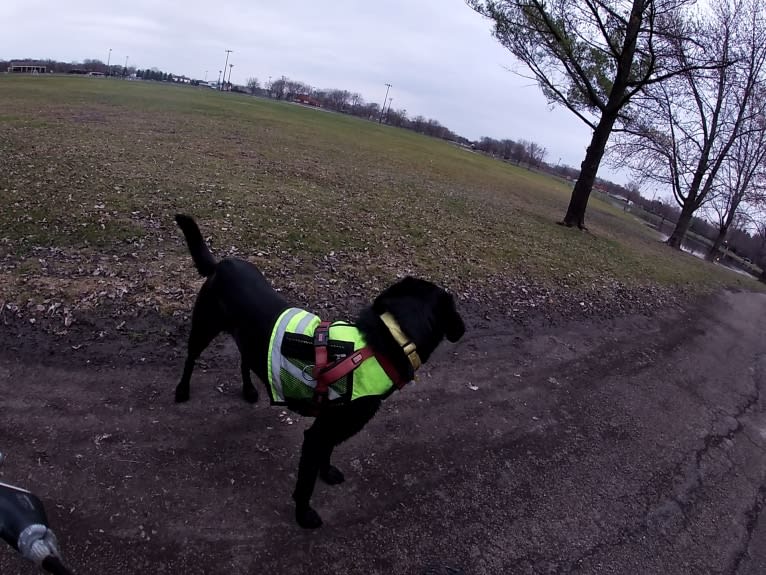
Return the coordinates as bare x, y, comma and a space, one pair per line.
237, 299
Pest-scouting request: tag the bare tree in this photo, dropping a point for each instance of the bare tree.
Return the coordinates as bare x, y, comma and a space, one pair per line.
535, 153
95, 65
253, 85
295, 88
742, 188
356, 101
684, 128
370, 111
418, 123
591, 56
516, 151
397, 118
338, 99
761, 235
278, 88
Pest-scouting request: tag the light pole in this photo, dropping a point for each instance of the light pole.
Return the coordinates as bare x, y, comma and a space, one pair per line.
230, 68
125, 73
219, 79
108, 60
389, 109
380, 120
205, 75
226, 64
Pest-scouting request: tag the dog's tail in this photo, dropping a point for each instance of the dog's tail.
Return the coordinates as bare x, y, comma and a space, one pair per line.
200, 253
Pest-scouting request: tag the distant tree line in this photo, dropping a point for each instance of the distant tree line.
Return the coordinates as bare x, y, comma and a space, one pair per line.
160, 76
352, 103
57, 67
521, 152
94, 65
746, 237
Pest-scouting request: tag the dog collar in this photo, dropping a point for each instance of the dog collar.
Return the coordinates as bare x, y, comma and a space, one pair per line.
408, 347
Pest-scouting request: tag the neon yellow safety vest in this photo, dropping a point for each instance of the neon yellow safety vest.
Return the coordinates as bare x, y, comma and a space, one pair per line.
291, 361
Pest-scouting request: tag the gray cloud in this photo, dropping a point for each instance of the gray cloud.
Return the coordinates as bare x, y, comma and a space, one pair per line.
438, 55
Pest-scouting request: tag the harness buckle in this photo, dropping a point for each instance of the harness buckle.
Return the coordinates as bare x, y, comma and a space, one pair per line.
322, 335
308, 373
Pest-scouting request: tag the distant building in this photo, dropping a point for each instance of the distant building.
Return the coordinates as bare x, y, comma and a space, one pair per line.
307, 100
26, 69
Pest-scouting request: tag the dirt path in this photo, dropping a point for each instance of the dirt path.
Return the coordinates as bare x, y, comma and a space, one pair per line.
630, 446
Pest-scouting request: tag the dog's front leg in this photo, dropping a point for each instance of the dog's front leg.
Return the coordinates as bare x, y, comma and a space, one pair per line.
249, 393
340, 423
317, 447
330, 474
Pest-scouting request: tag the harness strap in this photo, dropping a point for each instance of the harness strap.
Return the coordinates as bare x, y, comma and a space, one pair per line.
341, 368
390, 370
321, 339
326, 374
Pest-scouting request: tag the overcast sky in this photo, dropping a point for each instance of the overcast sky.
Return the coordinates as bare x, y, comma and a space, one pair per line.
438, 55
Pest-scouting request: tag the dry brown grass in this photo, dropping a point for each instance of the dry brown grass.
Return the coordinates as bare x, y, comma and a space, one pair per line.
93, 171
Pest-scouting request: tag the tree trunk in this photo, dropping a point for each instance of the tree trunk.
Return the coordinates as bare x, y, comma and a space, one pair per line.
713, 252
575, 215
682, 226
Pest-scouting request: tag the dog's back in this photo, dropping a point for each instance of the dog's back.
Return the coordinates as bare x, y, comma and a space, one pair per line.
235, 298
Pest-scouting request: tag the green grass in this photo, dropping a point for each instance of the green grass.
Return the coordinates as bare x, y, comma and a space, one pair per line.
96, 168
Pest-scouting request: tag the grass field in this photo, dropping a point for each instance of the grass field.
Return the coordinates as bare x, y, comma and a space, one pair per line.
93, 170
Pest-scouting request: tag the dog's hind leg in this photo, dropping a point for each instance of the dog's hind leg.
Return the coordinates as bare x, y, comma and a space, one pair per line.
249, 393
204, 328
200, 338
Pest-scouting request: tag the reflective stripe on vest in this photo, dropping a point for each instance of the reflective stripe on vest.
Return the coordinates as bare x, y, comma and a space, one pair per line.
292, 320
369, 378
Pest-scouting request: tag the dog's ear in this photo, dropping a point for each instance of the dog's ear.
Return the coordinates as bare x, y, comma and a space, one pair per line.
454, 328
406, 287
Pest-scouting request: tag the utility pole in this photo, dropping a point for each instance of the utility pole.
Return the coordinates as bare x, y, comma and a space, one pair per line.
224, 67
230, 68
108, 60
380, 120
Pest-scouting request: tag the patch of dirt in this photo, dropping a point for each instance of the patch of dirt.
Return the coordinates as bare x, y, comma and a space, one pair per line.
471, 453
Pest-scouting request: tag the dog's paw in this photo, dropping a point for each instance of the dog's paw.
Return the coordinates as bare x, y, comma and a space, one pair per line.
250, 394
332, 475
182, 394
308, 518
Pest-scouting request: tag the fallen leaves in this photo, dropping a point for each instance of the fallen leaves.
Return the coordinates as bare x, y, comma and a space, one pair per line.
87, 222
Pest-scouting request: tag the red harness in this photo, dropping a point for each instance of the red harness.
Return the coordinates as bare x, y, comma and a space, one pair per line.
327, 373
